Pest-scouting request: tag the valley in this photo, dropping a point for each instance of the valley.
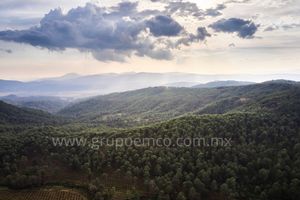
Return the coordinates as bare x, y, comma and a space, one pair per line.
262, 162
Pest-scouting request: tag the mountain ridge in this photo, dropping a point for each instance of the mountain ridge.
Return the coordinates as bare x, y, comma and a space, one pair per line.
10, 114
73, 85
161, 103
45, 103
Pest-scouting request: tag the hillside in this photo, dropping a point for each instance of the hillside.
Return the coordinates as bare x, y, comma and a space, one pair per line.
249, 147
261, 160
13, 115
46, 103
161, 103
214, 84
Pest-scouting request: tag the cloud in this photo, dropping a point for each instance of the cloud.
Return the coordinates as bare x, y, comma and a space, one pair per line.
215, 11
11, 4
238, 1
118, 32
201, 35
271, 28
188, 9
244, 28
17, 21
184, 9
164, 26
290, 26
282, 27
113, 33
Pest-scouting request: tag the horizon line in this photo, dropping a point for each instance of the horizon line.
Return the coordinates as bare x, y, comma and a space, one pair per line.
134, 72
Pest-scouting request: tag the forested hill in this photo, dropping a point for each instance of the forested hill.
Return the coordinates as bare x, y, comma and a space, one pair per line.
262, 160
214, 84
10, 114
161, 103
46, 103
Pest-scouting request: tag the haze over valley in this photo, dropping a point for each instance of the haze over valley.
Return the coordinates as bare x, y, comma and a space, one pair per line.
74, 85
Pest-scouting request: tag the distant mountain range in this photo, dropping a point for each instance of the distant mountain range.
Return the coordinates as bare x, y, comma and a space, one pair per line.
74, 85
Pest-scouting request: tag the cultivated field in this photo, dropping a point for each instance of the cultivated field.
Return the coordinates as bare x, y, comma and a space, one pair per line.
43, 194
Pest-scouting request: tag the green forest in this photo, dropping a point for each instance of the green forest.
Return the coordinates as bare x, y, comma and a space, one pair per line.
262, 161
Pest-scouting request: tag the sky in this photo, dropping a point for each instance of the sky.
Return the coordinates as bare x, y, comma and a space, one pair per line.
42, 38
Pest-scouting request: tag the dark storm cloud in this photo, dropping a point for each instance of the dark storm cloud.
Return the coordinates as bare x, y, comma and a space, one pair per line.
244, 28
